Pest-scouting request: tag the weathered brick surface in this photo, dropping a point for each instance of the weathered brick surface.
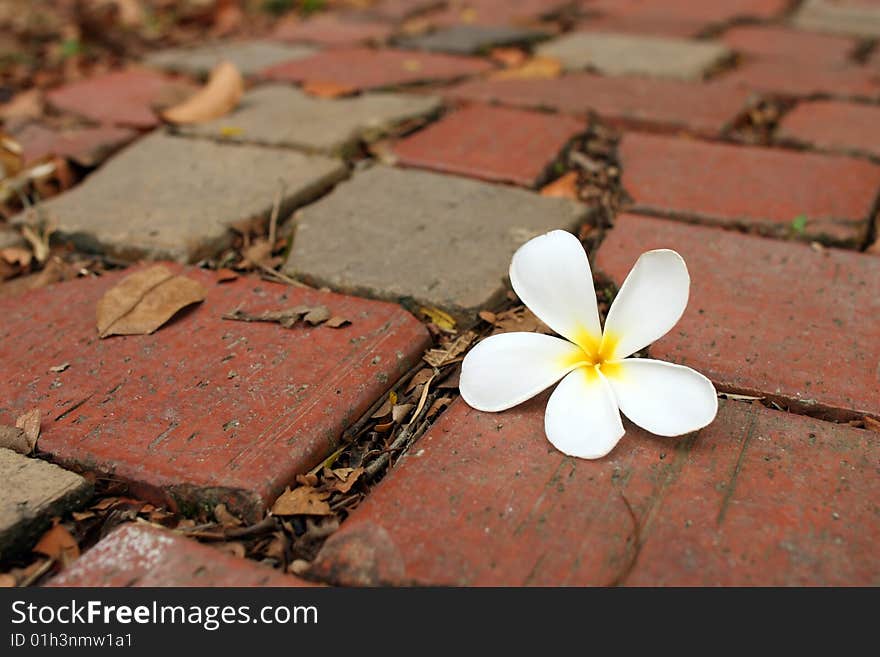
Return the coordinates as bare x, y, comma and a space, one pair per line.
333, 30
648, 103
441, 240
371, 69
205, 410
858, 19
141, 555
491, 143
823, 50
249, 57
767, 317
685, 12
762, 188
833, 126
785, 77
87, 146
122, 98
31, 492
633, 54
756, 498
494, 12
284, 116
469, 39
175, 198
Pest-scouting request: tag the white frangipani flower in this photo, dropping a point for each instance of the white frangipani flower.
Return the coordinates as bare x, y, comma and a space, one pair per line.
551, 275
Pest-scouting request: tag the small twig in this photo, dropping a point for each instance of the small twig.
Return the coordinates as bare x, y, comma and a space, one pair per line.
273, 218
37, 574
278, 276
402, 441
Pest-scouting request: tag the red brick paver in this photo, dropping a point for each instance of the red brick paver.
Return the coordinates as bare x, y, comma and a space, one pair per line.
833, 126
205, 410
758, 497
701, 14
646, 103
767, 317
797, 79
362, 68
490, 143
332, 30
757, 187
141, 555
122, 98
494, 12
87, 146
773, 41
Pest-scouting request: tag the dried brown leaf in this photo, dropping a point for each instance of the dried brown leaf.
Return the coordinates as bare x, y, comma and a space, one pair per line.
144, 301
303, 500
400, 411
535, 68
321, 89
317, 315
224, 517
15, 439
30, 423
871, 424
443, 356
217, 98
58, 544
337, 322
344, 478
563, 187
15, 255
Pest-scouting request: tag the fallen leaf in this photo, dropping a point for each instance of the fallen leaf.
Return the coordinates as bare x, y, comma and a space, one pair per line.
287, 318
302, 501
509, 57
337, 322
443, 356
345, 478
308, 479
563, 187
142, 302
256, 254
59, 368
58, 544
317, 315
441, 318
226, 275
535, 68
400, 411
11, 161
15, 255
519, 319
420, 378
385, 426
871, 424
439, 404
224, 517
321, 89
15, 439
220, 95
79, 516
30, 423
487, 316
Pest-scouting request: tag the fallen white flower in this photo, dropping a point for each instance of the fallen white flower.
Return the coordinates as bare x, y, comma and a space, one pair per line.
551, 275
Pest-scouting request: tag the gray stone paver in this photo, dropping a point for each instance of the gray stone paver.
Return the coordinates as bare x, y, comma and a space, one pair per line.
441, 240
175, 198
31, 492
281, 115
248, 56
825, 16
627, 54
470, 39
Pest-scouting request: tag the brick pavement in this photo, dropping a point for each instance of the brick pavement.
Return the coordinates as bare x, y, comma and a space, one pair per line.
767, 117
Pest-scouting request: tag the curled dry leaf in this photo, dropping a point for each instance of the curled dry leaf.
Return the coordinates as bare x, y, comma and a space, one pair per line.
30, 423
563, 187
15, 439
337, 322
442, 319
320, 89
220, 95
535, 68
342, 479
302, 501
142, 302
58, 544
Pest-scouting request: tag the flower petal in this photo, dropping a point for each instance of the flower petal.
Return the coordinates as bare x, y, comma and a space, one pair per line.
551, 274
649, 303
582, 418
507, 369
664, 398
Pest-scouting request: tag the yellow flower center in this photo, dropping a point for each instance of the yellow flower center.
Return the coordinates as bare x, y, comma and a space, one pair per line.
596, 354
